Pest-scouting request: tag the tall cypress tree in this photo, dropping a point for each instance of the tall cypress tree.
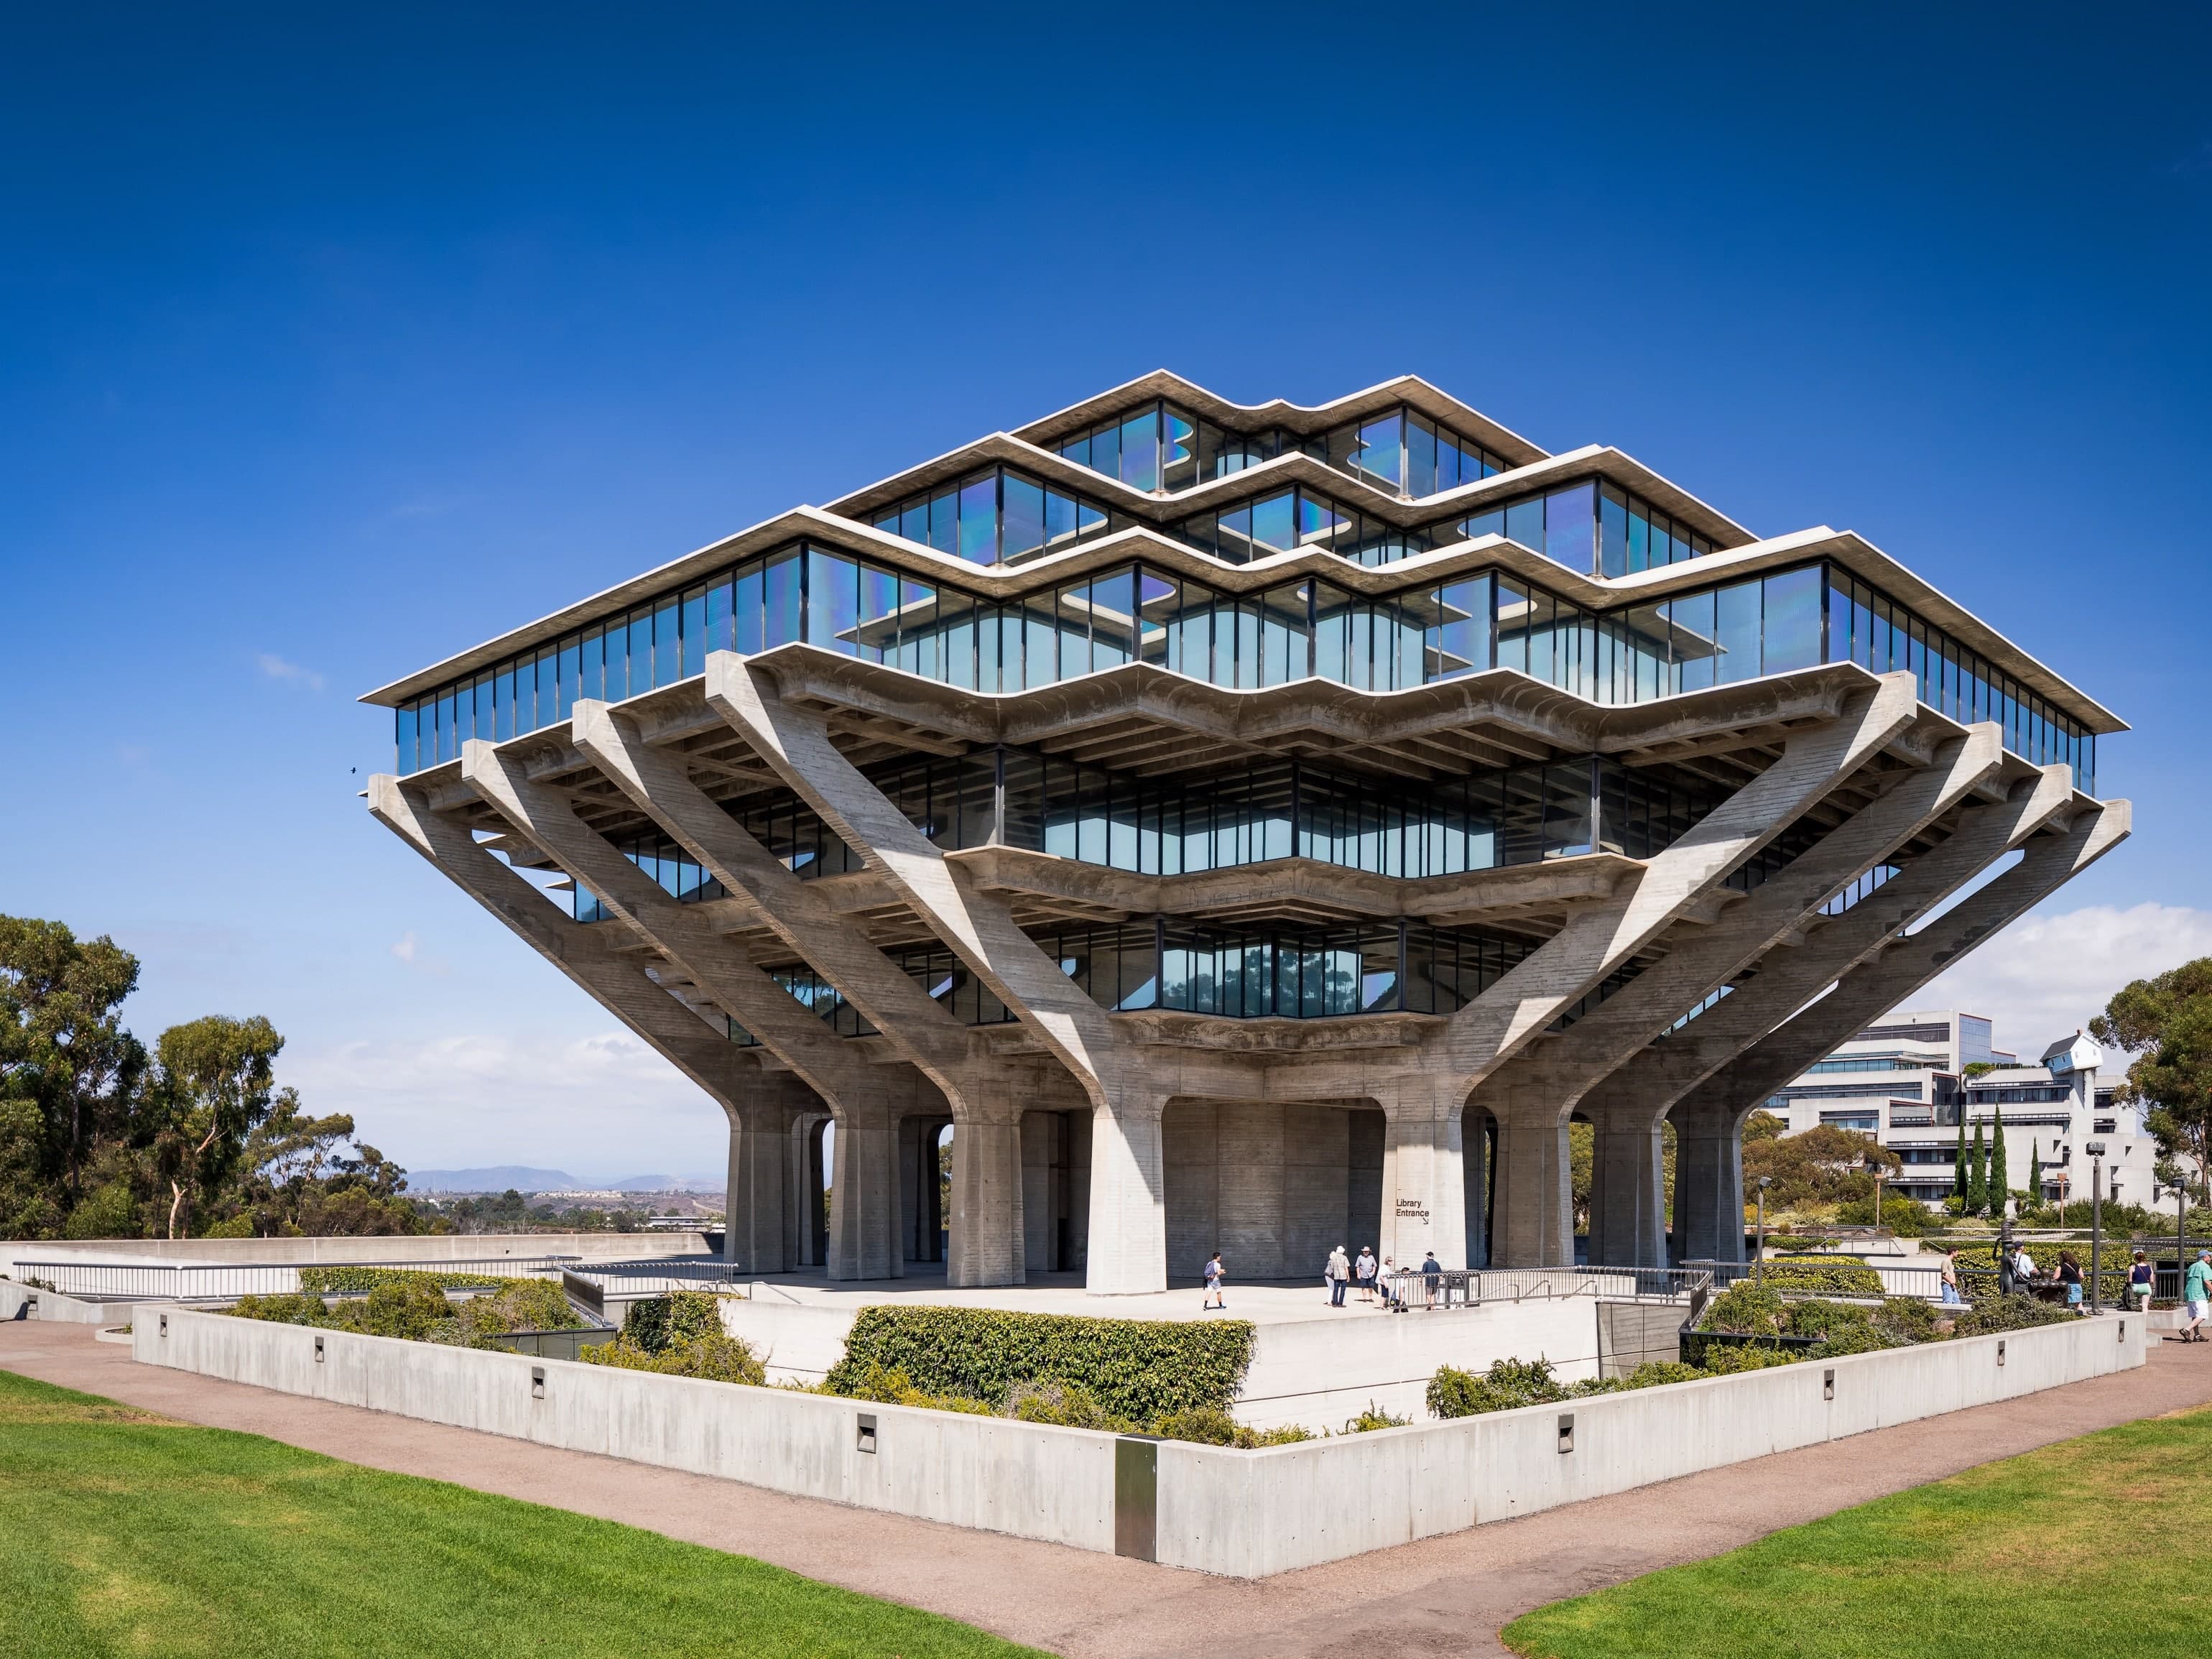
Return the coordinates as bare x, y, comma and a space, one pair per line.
2035, 1170
1959, 1182
1977, 1191
1999, 1190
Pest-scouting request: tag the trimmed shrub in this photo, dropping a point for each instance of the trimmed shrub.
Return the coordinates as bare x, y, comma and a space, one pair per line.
1507, 1384
1822, 1275
352, 1281
1064, 1404
680, 1334
286, 1310
1374, 1418
1138, 1369
1654, 1373
1746, 1308
1210, 1426
1747, 1357
1994, 1314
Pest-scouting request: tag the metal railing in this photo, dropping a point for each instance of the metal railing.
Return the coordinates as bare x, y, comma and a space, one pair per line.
100, 1281
1471, 1287
654, 1275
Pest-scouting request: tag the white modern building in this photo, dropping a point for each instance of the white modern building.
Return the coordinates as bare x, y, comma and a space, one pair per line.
1904, 1082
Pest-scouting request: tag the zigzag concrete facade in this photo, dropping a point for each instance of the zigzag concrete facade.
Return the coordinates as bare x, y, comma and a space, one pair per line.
1251, 829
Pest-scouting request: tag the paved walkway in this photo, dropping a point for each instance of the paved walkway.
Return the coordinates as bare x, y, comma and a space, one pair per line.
1443, 1595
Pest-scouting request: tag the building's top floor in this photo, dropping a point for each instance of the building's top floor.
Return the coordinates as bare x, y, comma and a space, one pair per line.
1940, 1040
1584, 569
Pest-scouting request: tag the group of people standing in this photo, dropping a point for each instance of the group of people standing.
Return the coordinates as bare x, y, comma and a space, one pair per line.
2195, 1291
1375, 1279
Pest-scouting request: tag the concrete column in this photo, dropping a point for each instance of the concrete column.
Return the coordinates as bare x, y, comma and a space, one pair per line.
987, 1239
1628, 1223
1424, 1179
1127, 1236
865, 1236
1708, 1183
756, 1233
1534, 1225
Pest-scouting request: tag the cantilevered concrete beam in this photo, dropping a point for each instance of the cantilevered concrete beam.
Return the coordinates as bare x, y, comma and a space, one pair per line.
1534, 1219
759, 1104
1627, 1224
1709, 1118
986, 1092
1127, 1230
1654, 1079
867, 1100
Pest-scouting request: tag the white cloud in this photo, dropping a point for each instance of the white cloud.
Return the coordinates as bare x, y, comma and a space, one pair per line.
277, 669
596, 1100
2046, 975
409, 950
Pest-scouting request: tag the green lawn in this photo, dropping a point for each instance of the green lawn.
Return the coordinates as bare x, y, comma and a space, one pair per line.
2098, 1546
124, 1533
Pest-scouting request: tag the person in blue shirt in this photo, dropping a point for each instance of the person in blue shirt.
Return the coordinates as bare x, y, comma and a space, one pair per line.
2197, 1293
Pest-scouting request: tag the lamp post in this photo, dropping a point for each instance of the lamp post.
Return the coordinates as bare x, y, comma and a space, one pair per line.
1758, 1261
2096, 1151
2180, 1229
1878, 1172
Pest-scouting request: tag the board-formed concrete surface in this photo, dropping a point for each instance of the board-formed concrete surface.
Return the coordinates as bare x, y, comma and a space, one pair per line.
1441, 1596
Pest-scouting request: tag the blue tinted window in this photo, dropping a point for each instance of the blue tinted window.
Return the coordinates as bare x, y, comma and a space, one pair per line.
979, 521
1737, 623
1792, 621
1140, 451
1613, 531
1570, 531
1273, 524
1024, 521
1524, 523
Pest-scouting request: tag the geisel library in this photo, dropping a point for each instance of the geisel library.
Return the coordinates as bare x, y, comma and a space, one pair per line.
1252, 828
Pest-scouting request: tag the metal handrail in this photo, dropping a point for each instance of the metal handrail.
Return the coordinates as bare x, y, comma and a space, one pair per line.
1470, 1287
106, 1281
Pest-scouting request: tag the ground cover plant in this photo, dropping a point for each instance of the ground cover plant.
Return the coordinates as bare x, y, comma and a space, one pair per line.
411, 1306
130, 1534
2093, 1546
680, 1334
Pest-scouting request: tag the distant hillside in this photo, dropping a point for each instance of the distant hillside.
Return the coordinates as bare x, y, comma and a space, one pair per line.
524, 1179
497, 1179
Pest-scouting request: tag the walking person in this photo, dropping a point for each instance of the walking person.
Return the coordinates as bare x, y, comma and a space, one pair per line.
1432, 1274
1340, 1275
2140, 1280
2197, 1292
1213, 1279
2069, 1275
1386, 1279
1950, 1271
1364, 1271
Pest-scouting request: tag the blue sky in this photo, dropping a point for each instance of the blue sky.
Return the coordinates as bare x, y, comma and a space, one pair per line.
329, 349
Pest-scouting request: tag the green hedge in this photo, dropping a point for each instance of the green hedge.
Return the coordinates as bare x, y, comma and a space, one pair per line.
344, 1281
1132, 1368
1823, 1274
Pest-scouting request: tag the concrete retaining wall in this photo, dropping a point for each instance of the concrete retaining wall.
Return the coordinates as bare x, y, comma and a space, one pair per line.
1251, 1514
1242, 1514
1027, 1478
442, 1247
21, 1301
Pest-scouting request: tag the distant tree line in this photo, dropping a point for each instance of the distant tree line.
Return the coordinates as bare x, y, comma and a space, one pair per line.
101, 1137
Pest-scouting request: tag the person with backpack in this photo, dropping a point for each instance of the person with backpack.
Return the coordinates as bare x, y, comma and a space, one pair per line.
1339, 1275
1213, 1281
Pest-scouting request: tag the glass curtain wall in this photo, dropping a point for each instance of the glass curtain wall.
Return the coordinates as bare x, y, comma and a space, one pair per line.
1295, 518
1715, 635
1161, 448
999, 516
1249, 973
1594, 528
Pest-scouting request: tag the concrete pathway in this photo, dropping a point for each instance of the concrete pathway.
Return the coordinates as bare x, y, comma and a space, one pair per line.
1443, 1595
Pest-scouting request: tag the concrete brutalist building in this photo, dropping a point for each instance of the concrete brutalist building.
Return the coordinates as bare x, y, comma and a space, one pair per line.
1255, 829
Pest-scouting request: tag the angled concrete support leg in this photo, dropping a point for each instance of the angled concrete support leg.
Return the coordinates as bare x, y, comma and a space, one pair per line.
864, 1239
1709, 1183
1628, 1222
